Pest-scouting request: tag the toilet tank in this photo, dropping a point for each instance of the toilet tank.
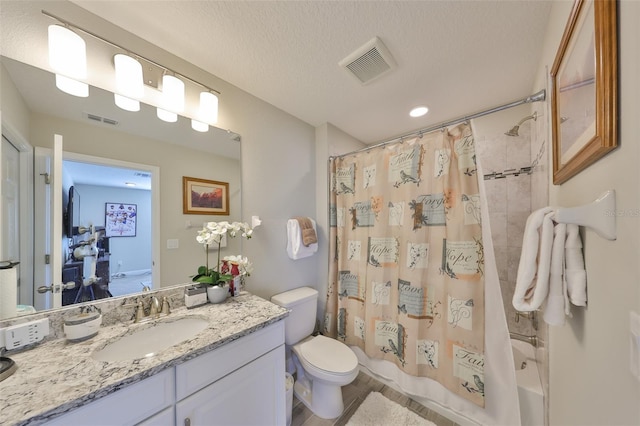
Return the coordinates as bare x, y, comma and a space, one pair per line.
303, 304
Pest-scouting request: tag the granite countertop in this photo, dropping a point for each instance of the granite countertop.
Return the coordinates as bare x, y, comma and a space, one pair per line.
57, 376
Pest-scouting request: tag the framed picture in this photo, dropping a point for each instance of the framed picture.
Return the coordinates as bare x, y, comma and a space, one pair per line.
120, 219
201, 196
584, 77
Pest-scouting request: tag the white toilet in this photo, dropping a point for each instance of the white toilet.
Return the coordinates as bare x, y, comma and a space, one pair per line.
323, 365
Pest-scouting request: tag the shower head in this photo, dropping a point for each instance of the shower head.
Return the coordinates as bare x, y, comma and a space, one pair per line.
514, 129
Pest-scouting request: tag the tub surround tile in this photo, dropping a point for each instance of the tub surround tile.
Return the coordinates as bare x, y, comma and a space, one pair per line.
498, 222
519, 193
40, 390
496, 195
516, 222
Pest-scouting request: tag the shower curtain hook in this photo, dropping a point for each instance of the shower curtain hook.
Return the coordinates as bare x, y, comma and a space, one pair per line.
420, 134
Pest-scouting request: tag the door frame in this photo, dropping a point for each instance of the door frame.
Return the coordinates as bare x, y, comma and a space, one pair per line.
155, 202
25, 268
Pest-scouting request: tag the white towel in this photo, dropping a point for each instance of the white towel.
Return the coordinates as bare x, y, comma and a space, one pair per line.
532, 282
295, 248
575, 274
554, 309
551, 270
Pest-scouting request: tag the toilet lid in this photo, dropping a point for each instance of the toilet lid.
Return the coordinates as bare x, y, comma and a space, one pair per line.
329, 355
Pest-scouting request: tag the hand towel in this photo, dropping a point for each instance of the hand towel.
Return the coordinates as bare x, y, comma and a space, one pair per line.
295, 248
308, 231
575, 274
532, 282
554, 309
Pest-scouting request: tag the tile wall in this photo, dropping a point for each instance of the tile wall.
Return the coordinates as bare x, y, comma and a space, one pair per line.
509, 201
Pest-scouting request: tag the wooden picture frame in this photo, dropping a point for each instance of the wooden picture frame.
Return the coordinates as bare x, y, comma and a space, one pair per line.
120, 219
584, 80
202, 196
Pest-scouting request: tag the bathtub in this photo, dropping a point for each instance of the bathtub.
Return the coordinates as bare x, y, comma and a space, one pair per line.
529, 385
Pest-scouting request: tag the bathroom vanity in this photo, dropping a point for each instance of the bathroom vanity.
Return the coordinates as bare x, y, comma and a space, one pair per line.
230, 373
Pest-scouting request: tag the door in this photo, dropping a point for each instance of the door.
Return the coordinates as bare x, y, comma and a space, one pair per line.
10, 232
48, 225
251, 395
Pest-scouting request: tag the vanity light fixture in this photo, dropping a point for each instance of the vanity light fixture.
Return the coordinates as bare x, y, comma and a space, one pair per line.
418, 111
207, 112
68, 59
69, 62
172, 98
128, 82
130, 184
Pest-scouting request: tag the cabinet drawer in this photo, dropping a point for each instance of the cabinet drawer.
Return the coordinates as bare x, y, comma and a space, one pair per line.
127, 406
199, 372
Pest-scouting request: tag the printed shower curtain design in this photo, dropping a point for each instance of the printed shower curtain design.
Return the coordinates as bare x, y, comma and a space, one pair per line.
407, 281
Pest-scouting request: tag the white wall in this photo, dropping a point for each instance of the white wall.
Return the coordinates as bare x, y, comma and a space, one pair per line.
590, 380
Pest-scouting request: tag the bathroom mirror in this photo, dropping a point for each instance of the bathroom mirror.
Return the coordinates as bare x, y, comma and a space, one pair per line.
174, 149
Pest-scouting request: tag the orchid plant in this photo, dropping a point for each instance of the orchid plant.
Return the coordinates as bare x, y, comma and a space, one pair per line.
212, 234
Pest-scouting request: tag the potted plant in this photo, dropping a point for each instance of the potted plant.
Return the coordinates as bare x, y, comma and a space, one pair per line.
216, 279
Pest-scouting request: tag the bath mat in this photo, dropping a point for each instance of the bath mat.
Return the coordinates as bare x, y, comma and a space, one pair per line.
377, 410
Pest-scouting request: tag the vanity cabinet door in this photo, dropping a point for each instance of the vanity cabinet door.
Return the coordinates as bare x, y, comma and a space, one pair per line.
166, 417
126, 406
251, 395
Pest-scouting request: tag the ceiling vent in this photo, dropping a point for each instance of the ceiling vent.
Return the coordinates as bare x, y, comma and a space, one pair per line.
100, 119
369, 62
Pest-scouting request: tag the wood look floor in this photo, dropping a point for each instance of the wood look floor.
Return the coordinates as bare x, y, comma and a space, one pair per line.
353, 395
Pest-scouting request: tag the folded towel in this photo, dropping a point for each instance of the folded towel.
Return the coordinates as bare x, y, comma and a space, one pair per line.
575, 274
295, 247
532, 282
308, 231
554, 309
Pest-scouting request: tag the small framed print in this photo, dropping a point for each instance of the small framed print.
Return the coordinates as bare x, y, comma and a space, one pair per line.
202, 196
120, 219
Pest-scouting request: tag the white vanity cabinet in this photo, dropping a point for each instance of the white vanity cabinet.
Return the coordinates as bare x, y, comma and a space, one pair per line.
239, 383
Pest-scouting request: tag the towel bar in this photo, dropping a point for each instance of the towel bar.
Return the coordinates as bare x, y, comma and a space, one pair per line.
599, 215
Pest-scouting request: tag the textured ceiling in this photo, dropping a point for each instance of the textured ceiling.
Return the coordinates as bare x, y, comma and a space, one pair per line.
456, 57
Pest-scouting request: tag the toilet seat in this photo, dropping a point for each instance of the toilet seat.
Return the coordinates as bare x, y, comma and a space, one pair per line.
322, 355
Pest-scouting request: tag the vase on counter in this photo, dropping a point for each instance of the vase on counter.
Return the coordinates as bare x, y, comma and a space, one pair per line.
217, 293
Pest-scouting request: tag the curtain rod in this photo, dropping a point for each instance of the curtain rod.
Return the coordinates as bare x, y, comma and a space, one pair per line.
536, 97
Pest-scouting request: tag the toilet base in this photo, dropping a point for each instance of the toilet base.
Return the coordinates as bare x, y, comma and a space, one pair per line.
324, 400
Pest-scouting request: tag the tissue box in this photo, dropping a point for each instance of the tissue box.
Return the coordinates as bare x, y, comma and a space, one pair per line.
195, 296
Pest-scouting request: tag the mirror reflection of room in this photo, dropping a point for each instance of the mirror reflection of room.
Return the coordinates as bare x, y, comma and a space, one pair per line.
132, 147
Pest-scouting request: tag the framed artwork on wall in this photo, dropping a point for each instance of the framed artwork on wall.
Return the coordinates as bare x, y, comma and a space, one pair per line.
584, 77
120, 219
202, 196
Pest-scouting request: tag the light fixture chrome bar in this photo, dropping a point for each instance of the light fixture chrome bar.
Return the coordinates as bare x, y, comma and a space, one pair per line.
116, 45
536, 97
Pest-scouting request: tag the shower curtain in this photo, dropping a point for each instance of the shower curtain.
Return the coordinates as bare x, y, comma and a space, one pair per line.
407, 270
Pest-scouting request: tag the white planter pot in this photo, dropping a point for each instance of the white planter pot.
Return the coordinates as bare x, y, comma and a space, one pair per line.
217, 294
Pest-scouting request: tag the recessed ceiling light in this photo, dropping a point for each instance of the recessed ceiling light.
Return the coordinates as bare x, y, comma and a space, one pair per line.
419, 111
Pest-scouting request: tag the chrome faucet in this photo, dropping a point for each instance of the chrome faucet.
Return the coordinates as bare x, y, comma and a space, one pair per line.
532, 340
531, 315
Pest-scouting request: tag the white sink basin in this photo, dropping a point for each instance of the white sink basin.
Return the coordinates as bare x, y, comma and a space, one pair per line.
149, 341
